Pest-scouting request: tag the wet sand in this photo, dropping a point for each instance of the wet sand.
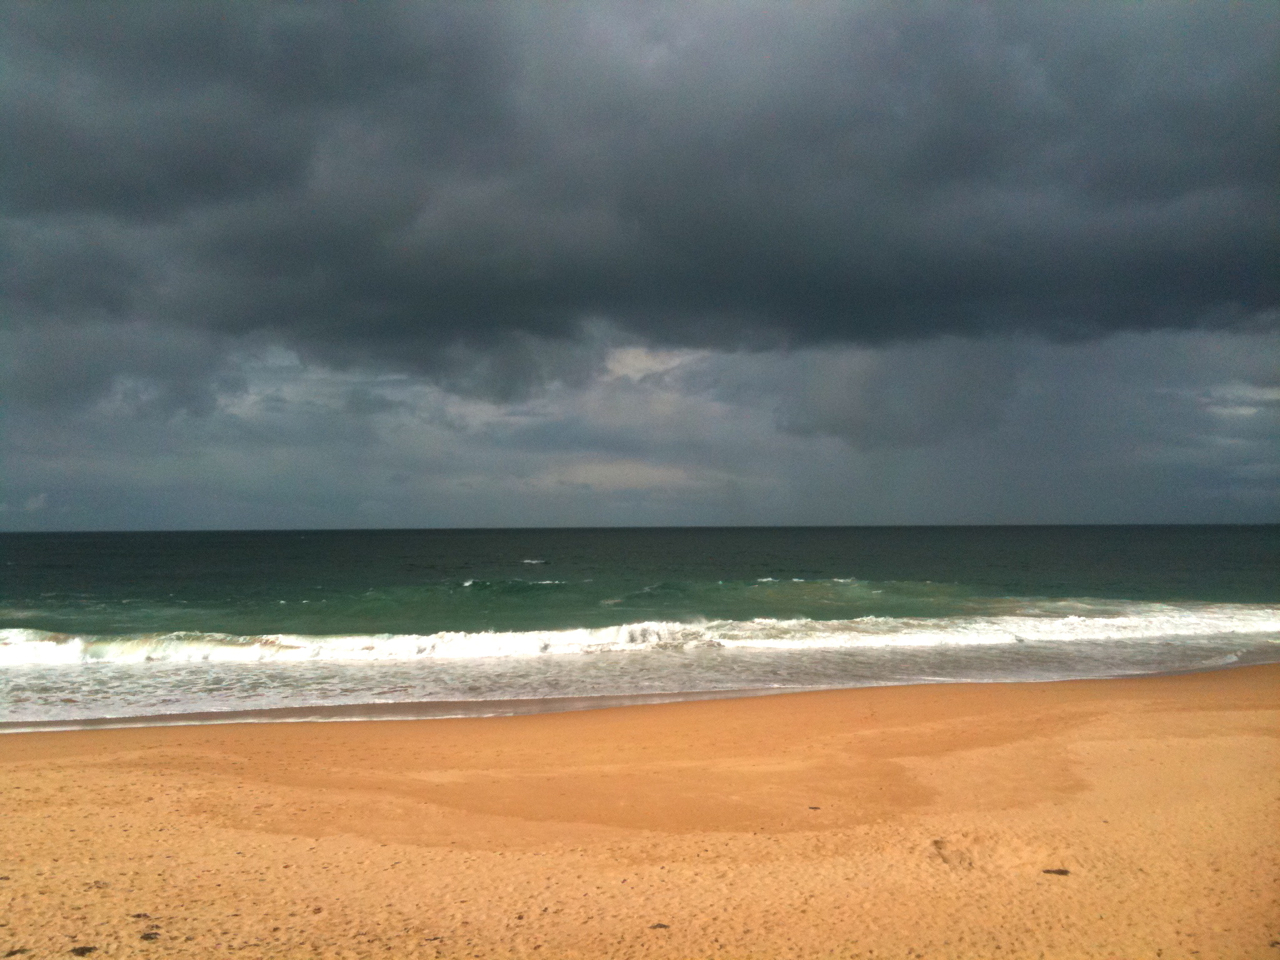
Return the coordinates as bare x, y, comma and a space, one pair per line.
1116, 818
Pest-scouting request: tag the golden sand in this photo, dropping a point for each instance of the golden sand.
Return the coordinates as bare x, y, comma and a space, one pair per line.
1125, 818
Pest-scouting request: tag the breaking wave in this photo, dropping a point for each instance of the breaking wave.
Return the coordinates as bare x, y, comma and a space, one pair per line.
1049, 623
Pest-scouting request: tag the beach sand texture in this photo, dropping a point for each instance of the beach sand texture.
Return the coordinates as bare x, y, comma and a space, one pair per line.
1126, 818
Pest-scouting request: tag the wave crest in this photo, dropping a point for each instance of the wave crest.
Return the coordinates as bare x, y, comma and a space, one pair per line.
1138, 623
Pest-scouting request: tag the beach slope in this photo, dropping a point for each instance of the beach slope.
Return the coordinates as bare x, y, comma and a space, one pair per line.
1115, 818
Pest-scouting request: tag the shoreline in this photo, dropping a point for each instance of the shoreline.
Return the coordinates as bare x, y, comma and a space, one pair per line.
1079, 818
528, 706
405, 710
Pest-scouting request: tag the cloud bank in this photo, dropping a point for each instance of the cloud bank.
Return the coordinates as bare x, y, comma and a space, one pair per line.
872, 237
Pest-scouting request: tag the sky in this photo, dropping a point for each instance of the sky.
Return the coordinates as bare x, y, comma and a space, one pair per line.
410, 264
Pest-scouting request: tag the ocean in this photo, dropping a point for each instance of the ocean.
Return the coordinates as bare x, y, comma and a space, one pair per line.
124, 628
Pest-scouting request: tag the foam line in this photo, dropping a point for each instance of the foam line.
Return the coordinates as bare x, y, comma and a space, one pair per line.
1138, 623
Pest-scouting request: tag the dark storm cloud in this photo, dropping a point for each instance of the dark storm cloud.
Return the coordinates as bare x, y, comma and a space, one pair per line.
456, 188
910, 396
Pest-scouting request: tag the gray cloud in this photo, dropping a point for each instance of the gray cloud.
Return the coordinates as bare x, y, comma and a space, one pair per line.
379, 183
908, 395
1136, 427
162, 368
877, 239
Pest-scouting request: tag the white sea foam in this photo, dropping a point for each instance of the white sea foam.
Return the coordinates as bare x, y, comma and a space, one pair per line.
1048, 623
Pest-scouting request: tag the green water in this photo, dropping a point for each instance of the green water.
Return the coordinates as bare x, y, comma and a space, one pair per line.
371, 582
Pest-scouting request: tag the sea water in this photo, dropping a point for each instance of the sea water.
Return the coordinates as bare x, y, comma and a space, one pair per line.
197, 627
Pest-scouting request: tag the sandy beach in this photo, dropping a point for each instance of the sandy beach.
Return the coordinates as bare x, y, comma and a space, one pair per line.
1118, 818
